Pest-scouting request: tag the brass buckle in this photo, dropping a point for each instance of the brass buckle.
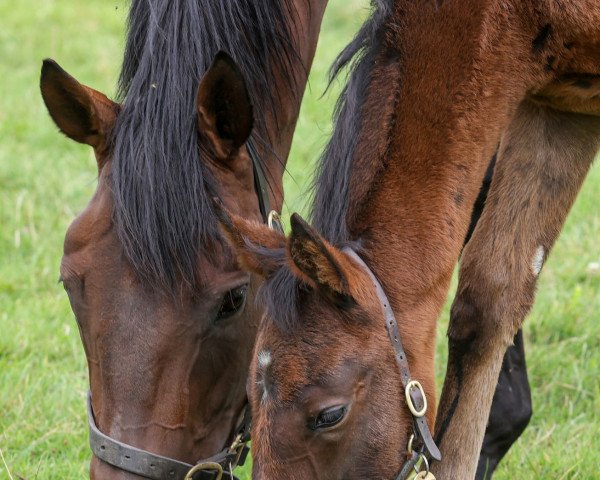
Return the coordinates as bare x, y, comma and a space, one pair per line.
236, 447
409, 447
426, 474
411, 406
205, 466
274, 221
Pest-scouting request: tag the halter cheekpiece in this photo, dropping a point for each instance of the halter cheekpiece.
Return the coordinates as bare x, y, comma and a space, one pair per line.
414, 395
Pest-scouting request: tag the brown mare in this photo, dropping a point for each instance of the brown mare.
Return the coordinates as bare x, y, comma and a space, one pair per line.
166, 317
438, 87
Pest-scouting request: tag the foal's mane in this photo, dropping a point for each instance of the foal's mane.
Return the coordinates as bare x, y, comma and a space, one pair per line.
331, 187
162, 190
334, 170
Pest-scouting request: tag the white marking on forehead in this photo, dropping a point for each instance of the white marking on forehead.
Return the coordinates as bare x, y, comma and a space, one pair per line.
264, 359
538, 260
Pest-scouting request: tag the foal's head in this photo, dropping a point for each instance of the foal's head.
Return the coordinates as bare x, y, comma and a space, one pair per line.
324, 387
167, 356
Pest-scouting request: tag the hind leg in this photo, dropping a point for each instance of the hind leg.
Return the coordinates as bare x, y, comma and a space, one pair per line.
511, 407
544, 157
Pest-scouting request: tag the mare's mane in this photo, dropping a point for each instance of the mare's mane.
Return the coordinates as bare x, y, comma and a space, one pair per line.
162, 190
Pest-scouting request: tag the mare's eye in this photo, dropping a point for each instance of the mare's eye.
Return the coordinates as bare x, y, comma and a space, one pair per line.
232, 302
329, 417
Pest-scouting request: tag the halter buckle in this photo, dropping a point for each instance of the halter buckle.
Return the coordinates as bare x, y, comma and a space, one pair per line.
409, 447
425, 474
274, 221
238, 447
214, 466
414, 384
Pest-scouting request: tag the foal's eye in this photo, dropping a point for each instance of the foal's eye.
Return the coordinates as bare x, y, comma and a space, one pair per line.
329, 417
232, 302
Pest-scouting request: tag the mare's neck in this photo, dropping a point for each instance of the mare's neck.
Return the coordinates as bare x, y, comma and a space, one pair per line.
305, 28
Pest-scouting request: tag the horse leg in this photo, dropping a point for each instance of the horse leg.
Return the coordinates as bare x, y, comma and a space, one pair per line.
511, 407
543, 159
510, 411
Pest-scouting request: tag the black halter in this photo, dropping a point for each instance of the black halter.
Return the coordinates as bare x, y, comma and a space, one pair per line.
421, 444
156, 467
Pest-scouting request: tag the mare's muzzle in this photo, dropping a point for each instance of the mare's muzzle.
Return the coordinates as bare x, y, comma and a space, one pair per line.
149, 465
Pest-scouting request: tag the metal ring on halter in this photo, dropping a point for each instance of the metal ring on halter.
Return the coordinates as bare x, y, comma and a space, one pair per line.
426, 462
205, 466
410, 443
274, 221
237, 448
409, 401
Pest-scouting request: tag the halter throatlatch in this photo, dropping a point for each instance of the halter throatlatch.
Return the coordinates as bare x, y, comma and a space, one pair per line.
414, 394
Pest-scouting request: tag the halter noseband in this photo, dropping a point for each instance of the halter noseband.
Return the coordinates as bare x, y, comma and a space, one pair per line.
149, 465
156, 467
413, 391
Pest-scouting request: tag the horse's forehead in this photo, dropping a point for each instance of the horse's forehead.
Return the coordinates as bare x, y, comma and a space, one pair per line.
279, 368
96, 222
285, 363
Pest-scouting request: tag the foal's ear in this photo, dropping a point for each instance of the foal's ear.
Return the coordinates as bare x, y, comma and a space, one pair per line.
224, 108
316, 261
81, 113
258, 248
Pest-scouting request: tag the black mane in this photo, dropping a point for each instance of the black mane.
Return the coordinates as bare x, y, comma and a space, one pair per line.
330, 188
283, 292
162, 190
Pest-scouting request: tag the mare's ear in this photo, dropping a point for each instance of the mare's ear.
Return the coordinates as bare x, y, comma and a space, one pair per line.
224, 108
258, 248
316, 261
81, 113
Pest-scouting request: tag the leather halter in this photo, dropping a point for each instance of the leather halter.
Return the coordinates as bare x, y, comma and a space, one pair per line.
414, 395
153, 466
149, 465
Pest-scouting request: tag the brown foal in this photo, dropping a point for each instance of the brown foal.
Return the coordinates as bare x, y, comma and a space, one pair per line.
437, 87
160, 303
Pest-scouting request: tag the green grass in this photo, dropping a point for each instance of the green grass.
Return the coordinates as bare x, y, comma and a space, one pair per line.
45, 179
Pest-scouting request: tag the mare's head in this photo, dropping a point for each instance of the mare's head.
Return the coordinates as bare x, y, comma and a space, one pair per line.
324, 387
161, 305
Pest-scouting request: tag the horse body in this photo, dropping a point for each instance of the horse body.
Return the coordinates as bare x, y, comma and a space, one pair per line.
160, 303
447, 82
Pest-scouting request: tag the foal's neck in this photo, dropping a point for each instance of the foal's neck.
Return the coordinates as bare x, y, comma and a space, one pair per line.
439, 90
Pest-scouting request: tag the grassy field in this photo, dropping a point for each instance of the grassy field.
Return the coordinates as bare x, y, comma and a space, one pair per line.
45, 179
